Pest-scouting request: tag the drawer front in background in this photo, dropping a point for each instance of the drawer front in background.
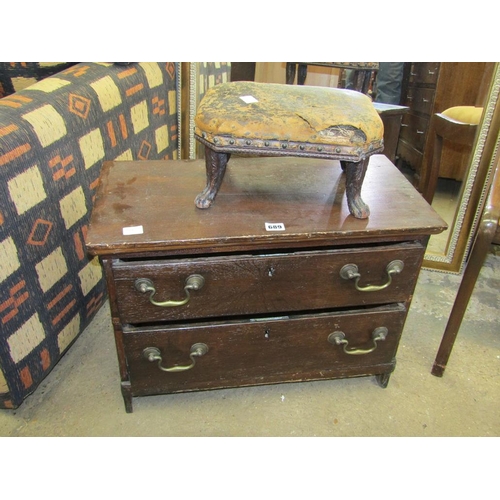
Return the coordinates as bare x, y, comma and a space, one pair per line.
424, 73
420, 100
259, 352
249, 285
413, 130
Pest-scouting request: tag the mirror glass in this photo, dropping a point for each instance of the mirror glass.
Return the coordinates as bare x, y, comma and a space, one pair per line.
458, 200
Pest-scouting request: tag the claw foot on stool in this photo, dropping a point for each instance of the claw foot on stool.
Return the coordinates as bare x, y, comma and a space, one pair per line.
358, 208
215, 164
355, 174
205, 198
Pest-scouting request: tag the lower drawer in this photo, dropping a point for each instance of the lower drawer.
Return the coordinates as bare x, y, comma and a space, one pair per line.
414, 130
273, 350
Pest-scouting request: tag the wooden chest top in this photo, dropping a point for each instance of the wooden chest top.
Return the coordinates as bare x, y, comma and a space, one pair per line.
148, 207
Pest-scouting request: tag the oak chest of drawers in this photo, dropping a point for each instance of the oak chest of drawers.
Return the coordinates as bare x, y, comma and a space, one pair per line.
276, 282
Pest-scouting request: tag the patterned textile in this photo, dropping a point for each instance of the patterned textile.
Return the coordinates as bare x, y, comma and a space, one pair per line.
15, 76
54, 137
212, 73
206, 75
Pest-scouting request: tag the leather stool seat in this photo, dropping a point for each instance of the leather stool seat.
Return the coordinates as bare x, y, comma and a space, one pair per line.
283, 120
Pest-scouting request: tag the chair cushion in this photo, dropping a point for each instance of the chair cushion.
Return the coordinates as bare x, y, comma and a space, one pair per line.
465, 114
301, 120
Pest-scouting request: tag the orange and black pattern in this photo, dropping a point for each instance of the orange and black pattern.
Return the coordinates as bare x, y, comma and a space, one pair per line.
15, 76
54, 137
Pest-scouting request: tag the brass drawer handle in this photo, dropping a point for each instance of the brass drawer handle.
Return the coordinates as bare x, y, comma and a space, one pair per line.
350, 271
338, 338
193, 282
154, 354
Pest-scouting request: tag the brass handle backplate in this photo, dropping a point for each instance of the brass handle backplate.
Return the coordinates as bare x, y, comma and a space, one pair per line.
338, 338
350, 271
193, 282
154, 354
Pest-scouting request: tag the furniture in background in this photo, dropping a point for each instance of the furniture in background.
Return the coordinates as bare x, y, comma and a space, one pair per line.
488, 232
392, 116
54, 137
430, 88
446, 130
277, 282
243, 71
449, 254
364, 72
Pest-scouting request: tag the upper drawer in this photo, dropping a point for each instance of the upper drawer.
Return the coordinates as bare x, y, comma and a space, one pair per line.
424, 73
276, 283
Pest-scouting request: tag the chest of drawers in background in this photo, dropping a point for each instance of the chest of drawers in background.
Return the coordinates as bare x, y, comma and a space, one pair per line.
276, 282
429, 88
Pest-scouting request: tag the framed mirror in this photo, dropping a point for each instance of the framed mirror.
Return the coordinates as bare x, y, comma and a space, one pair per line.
464, 203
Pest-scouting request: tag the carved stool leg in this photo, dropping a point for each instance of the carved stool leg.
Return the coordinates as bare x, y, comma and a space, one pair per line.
215, 164
355, 174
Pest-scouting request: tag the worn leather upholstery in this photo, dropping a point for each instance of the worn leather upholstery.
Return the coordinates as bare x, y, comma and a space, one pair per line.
296, 120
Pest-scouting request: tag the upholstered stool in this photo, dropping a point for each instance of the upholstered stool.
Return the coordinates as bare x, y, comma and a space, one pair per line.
281, 120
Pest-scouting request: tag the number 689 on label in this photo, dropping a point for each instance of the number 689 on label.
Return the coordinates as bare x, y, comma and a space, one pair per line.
275, 226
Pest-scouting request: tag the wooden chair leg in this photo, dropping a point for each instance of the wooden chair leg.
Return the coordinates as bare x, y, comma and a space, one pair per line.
302, 74
485, 235
366, 81
290, 73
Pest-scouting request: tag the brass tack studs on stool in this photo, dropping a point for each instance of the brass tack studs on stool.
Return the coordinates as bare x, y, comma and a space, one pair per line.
338, 150
266, 143
248, 142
